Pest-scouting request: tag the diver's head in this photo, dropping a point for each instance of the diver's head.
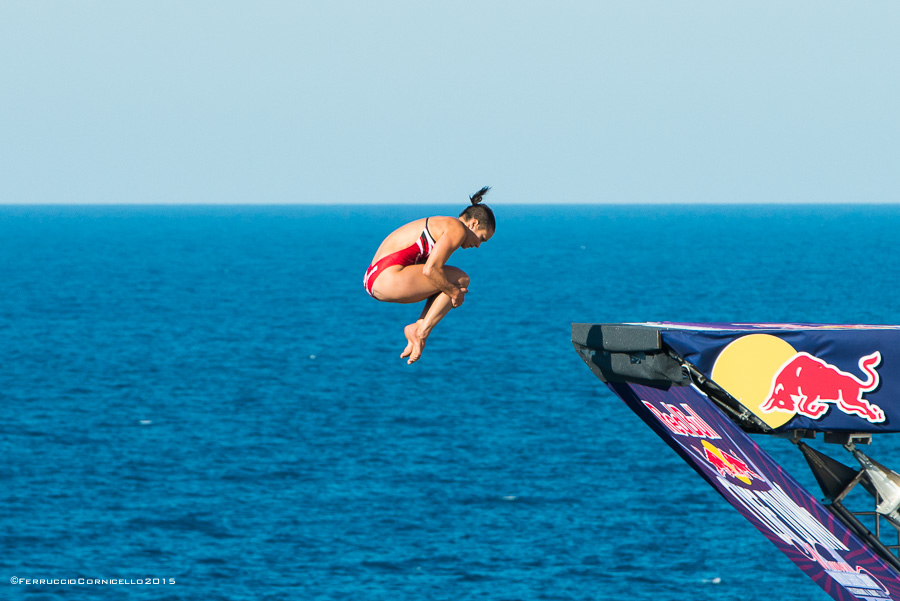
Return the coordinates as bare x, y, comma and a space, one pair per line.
479, 218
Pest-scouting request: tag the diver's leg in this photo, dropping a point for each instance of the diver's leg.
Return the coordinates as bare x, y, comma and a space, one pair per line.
406, 352
417, 333
407, 284
410, 285
427, 306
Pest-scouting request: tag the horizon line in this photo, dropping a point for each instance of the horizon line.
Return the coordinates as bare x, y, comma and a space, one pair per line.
420, 204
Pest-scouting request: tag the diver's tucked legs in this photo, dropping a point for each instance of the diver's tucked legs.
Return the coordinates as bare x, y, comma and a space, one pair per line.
435, 309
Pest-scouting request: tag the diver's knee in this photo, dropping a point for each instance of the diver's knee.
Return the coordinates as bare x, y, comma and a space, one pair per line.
463, 281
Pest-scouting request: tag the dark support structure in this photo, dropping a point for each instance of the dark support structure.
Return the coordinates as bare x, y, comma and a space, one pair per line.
626, 353
836, 481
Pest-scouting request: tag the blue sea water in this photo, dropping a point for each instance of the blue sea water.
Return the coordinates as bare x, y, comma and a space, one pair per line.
207, 394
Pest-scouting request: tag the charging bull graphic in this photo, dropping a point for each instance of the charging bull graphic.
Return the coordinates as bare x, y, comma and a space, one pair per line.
806, 385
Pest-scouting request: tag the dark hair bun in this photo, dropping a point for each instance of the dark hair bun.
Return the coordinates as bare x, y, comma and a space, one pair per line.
476, 198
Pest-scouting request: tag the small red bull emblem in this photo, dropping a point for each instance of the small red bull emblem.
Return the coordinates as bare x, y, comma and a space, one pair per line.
727, 464
807, 385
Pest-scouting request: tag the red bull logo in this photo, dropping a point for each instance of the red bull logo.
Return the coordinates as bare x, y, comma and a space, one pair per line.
778, 383
808, 385
727, 464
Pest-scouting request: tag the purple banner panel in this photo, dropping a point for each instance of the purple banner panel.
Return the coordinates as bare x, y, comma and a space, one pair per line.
776, 504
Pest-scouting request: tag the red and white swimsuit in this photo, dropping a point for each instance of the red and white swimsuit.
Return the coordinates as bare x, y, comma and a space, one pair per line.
415, 254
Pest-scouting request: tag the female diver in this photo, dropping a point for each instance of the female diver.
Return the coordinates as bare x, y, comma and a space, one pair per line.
410, 266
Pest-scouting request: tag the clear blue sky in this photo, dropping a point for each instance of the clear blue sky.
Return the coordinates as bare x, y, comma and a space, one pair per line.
375, 102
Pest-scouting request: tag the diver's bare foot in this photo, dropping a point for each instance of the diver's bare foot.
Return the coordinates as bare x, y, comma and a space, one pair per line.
409, 345
416, 343
408, 350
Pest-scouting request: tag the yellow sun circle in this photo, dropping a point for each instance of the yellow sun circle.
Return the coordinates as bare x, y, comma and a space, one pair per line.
745, 369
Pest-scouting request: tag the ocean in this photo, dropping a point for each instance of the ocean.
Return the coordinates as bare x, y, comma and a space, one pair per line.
201, 402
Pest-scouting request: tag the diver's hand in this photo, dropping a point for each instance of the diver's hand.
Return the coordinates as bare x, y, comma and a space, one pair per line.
458, 297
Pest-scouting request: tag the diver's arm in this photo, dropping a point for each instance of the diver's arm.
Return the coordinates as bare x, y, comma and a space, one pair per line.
450, 240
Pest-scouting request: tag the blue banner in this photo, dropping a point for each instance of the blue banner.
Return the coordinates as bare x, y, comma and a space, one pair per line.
800, 376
